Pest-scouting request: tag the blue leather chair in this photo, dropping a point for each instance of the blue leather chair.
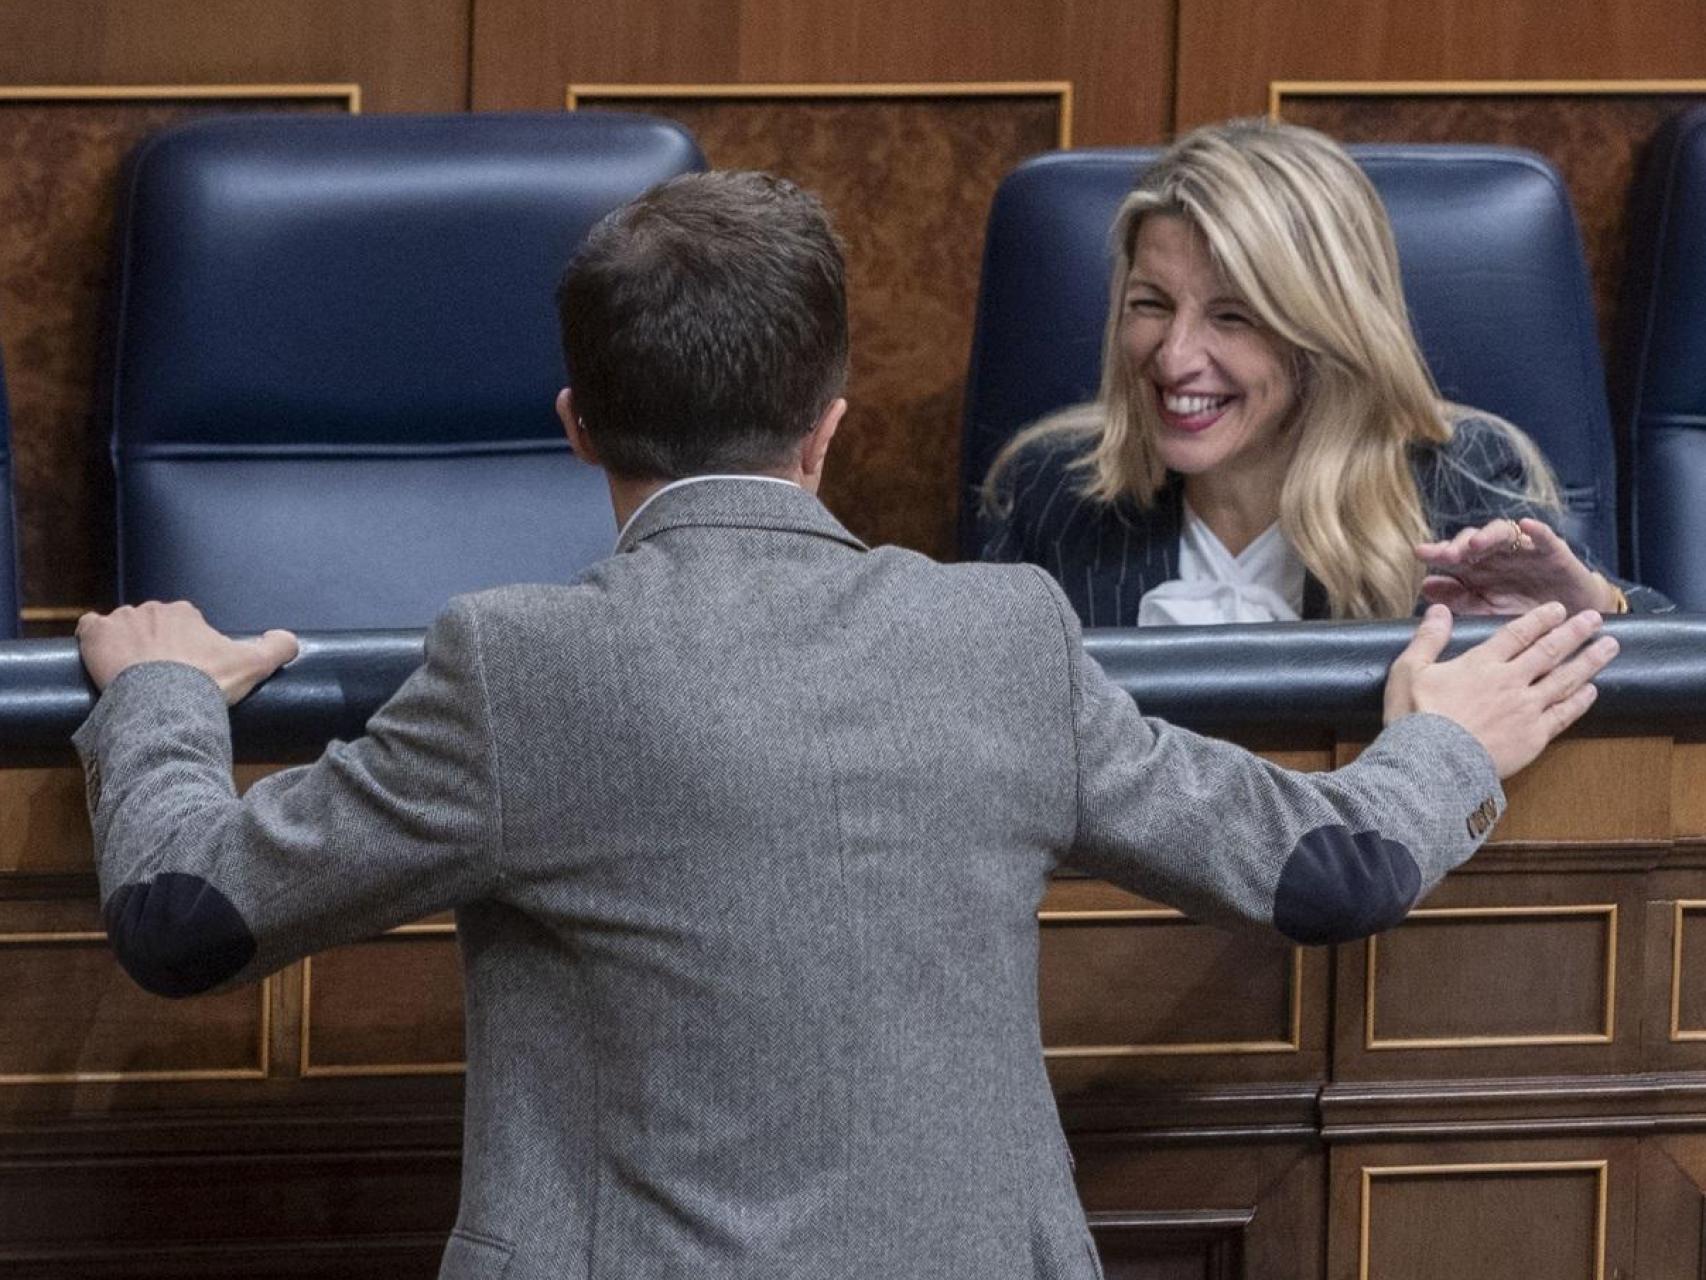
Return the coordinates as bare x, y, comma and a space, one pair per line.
334, 352
1662, 363
1493, 272
8, 526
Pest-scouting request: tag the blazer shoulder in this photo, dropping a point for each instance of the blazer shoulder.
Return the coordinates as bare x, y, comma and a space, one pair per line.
1482, 446
519, 601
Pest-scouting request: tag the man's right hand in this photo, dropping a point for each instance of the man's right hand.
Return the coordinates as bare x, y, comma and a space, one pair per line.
156, 632
1515, 691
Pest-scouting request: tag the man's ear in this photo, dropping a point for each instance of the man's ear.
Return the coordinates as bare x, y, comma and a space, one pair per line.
579, 441
816, 447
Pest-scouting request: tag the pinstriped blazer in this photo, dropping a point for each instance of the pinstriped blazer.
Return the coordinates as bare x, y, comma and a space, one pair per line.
1107, 555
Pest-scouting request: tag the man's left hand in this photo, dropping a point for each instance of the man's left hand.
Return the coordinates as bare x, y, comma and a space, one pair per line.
155, 632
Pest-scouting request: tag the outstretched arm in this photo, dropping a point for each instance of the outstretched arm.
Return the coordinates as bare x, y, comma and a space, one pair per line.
1325, 857
200, 888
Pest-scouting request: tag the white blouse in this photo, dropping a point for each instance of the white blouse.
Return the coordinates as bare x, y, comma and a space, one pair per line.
1262, 583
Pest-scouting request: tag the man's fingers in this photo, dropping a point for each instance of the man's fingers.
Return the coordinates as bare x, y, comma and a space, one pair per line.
1433, 633
1561, 715
273, 650
1519, 633
1563, 680
1557, 644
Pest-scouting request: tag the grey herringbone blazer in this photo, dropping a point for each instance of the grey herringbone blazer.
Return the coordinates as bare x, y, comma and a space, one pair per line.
746, 833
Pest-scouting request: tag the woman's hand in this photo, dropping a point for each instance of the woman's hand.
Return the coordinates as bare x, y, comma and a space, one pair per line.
1511, 566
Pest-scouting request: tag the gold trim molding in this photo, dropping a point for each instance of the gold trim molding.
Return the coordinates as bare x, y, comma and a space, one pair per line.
350, 93
1601, 1171
1678, 1033
55, 613
304, 1064
1280, 90
1608, 1030
1166, 915
93, 937
574, 96
1599, 1168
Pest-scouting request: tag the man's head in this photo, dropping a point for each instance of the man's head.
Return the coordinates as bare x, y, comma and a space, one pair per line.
705, 327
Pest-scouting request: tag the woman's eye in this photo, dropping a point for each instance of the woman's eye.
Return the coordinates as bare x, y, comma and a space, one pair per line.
1146, 306
1235, 319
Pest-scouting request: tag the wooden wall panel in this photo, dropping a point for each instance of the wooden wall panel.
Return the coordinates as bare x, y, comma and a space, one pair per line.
408, 55
1220, 993
1203, 1245
1671, 1230
71, 1015
1445, 1211
1159, 1211
1502, 974
1674, 1018
1590, 790
1536, 1218
1556, 977
1133, 994
211, 1198
1231, 50
1117, 53
392, 1006
44, 821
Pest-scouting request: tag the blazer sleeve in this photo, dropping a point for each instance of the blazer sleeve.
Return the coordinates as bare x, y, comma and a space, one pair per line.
1224, 835
201, 888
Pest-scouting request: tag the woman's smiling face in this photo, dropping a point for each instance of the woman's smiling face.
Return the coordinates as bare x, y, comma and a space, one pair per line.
1221, 382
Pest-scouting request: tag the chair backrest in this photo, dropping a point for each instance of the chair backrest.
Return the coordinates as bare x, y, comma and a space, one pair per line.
334, 354
8, 526
1494, 276
1662, 363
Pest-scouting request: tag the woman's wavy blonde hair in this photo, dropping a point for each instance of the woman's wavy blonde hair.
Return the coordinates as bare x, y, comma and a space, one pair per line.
1297, 230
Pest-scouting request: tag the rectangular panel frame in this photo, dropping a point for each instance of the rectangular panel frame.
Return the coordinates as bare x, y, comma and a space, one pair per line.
1606, 1035
305, 1065
575, 95
1293, 1044
90, 937
1280, 90
1678, 1033
1600, 1168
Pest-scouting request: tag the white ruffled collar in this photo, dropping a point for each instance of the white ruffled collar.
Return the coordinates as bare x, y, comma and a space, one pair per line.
1262, 583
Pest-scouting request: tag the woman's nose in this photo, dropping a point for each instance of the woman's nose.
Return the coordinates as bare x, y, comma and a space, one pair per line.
1181, 352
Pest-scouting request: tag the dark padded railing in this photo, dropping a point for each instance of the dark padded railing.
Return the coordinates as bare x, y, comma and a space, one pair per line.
1321, 677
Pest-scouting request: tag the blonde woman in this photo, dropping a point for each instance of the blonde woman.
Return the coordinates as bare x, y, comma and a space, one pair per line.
1267, 443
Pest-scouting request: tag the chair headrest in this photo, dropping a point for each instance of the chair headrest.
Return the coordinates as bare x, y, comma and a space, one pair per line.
386, 280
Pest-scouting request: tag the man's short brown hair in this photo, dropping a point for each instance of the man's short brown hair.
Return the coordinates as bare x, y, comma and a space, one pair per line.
705, 326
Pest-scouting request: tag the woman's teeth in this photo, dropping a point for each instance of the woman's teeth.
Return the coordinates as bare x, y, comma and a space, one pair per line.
1191, 406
